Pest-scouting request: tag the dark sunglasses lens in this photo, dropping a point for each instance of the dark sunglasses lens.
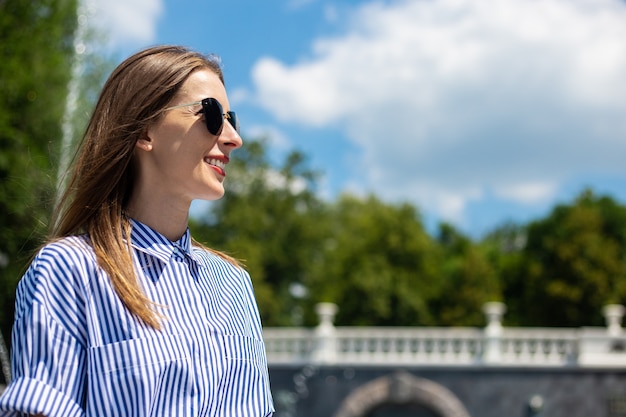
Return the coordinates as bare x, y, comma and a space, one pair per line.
232, 118
213, 115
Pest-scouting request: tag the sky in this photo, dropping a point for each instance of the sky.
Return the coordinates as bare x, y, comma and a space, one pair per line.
478, 112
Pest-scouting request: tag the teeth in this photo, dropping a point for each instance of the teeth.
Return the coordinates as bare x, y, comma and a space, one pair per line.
216, 162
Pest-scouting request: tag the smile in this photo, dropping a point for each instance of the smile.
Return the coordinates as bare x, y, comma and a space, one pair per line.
217, 165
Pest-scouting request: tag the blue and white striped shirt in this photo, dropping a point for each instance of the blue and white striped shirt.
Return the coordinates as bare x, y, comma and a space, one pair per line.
77, 351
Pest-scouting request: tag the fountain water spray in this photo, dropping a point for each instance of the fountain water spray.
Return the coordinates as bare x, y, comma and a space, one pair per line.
85, 10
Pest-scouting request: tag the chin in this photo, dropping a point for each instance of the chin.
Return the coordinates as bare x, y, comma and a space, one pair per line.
214, 195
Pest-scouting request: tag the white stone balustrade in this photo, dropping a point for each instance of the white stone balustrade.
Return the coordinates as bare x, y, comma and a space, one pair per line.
397, 346
494, 345
540, 347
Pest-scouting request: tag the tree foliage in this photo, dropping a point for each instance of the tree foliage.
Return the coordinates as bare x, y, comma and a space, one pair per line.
573, 263
503, 249
36, 48
379, 265
469, 280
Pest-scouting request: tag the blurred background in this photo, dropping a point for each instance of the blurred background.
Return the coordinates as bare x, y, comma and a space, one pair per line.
406, 160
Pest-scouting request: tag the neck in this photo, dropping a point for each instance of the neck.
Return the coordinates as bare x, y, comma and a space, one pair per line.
164, 215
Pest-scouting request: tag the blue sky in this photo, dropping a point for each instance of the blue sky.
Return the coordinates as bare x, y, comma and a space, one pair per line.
476, 111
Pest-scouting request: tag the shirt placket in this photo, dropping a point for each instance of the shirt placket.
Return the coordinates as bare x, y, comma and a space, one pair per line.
197, 330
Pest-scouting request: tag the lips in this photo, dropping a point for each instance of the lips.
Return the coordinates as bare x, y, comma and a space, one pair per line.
217, 165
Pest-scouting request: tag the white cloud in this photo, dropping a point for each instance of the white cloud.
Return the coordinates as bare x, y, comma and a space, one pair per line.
527, 193
126, 22
276, 138
454, 99
277, 181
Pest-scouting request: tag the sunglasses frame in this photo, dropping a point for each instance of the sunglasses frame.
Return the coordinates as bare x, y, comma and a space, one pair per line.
213, 115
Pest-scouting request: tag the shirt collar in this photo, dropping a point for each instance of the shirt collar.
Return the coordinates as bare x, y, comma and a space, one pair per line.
147, 240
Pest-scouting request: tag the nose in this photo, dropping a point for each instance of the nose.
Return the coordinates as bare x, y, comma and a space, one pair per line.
229, 136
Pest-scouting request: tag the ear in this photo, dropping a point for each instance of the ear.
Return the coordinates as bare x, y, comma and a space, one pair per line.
144, 142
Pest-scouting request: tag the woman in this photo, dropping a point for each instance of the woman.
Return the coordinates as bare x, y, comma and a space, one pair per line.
121, 312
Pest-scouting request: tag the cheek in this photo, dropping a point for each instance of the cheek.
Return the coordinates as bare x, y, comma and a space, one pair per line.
168, 141
171, 128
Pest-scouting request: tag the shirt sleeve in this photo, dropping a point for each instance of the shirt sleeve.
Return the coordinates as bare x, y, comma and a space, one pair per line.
48, 360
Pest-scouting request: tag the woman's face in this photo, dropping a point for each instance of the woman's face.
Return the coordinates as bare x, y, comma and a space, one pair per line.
180, 157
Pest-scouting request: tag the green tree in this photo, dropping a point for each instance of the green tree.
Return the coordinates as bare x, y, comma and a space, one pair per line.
574, 263
469, 280
380, 266
36, 49
504, 248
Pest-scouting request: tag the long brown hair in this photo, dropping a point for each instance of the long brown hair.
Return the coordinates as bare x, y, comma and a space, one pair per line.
101, 179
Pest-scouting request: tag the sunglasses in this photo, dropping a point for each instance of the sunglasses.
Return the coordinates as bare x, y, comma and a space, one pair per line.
213, 115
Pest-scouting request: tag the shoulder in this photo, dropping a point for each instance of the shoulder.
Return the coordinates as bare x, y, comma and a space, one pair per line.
69, 256
65, 252
227, 273
217, 261
58, 274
